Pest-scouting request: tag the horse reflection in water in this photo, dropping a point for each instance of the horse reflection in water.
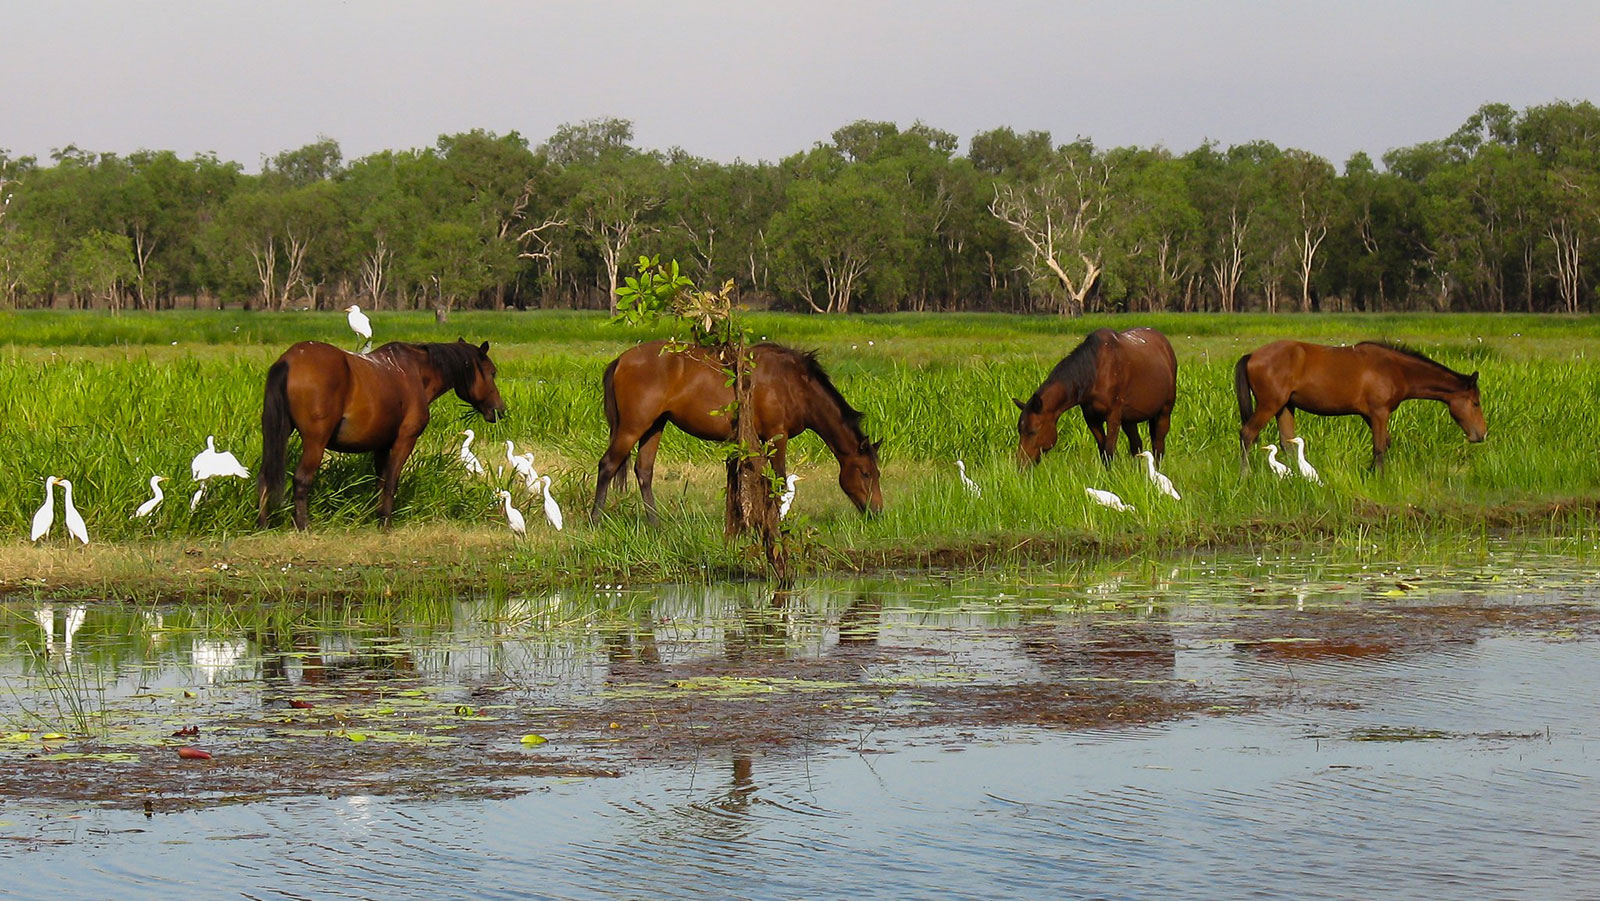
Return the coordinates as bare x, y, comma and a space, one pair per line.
72, 621
306, 656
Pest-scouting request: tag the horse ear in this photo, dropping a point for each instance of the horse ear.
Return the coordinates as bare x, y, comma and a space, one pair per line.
1473, 378
876, 444
484, 348
1020, 404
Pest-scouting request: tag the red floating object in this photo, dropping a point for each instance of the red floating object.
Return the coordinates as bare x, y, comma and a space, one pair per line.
301, 705
188, 753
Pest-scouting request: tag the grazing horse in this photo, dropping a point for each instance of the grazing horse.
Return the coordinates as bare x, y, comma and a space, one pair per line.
1368, 380
1120, 379
650, 385
362, 403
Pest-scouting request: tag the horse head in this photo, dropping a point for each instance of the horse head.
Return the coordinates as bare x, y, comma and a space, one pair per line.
1036, 431
477, 386
858, 477
1466, 408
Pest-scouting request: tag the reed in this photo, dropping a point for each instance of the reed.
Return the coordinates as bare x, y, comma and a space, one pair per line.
109, 401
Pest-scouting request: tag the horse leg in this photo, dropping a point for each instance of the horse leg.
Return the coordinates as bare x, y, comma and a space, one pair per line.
616, 457
1379, 423
389, 477
1251, 430
644, 469
1158, 434
1135, 443
1108, 448
1097, 428
1286, 426
311, 450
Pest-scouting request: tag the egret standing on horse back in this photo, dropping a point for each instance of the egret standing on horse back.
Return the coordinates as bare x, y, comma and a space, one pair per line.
1368, 380
649, 386
375, 403
361, 325
1120, 379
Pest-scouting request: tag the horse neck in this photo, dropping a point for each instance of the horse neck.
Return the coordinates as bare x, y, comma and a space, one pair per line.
1059, 395
435, 380
1427, 380
824, 417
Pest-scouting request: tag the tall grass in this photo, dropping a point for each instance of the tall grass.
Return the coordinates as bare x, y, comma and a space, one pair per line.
109, 401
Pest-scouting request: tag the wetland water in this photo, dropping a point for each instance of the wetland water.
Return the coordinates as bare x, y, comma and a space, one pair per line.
1214, 729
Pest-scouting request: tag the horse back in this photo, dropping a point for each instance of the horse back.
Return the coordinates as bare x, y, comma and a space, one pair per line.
359, 402
689, 389
1139, 368
1318, 378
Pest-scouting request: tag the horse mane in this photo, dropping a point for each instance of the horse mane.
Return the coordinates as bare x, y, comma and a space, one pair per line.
808, 361
456, 360
1414, 354
1077, 369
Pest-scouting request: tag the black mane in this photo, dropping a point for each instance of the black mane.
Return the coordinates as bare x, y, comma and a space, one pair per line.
456, 360
808, 360
1076, 371
1415, 354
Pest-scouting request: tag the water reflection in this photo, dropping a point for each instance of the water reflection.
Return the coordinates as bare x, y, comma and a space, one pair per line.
72, 620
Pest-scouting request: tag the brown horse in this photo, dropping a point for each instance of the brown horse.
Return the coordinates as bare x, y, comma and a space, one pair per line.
362, 403
1120, 379
1368, 380
649, 386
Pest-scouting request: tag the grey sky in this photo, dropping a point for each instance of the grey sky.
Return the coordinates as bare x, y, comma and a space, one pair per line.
763, 80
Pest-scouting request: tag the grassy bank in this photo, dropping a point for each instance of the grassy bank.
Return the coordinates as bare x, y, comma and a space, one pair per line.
109, 401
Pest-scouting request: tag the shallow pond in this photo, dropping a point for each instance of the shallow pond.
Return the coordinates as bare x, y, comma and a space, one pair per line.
1218, 728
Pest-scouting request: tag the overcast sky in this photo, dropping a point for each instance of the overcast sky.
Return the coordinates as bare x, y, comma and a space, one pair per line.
752, 80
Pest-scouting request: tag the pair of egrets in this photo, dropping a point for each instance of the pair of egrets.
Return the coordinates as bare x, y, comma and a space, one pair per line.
1307, 471
552, 510
46, 515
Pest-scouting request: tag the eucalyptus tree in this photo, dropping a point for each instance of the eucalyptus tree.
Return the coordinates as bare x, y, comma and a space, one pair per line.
614, 193
839, 225
1069, 217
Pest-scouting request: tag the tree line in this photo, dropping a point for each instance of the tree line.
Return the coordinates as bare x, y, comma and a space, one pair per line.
1499, 215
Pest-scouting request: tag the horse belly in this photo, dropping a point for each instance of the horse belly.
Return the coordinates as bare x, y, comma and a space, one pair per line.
1321, 403
358, 433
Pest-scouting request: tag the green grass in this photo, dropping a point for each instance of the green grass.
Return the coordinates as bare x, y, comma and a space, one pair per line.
108, 401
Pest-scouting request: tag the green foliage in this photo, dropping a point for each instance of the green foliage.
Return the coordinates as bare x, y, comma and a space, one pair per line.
108, 402
1503, 213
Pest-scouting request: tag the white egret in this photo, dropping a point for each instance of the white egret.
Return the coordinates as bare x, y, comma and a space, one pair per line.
212, 463
552, 510
513, 515
75, 526
46, 516
149, 506
1307, 471
468, 458
522, 465
966, 481
1107, 499
1162, 483
530, 479
1278, 469
361, 325
787, 498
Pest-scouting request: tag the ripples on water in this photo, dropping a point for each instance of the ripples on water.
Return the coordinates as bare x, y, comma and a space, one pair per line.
1460, 767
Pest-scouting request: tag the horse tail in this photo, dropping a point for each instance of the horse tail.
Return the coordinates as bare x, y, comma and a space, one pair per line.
275, 428
619, 481
1241, 388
